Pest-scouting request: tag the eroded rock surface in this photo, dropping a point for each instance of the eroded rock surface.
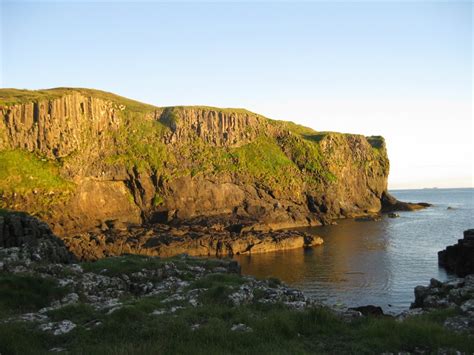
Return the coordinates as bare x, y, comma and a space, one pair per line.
164, 240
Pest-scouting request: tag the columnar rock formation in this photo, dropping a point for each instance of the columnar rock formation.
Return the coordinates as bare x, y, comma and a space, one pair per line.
459, 258
127, 161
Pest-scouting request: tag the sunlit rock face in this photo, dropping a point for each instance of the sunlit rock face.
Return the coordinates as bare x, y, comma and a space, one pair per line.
90, 157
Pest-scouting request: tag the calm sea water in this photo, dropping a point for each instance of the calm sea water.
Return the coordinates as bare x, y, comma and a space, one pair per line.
376, 263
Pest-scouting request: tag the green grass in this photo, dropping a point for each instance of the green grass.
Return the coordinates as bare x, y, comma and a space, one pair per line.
78, 313
218, 279
264, 161
23, 172
275, 328
15, 96
126, 264
36, 181
23, 293
115, 266
138, 144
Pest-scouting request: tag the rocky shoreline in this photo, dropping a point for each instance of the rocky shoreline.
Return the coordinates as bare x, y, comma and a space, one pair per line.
456, 294
19, 229
50, 295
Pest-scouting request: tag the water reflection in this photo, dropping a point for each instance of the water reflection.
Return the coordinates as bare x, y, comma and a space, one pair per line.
379, 262
353, 258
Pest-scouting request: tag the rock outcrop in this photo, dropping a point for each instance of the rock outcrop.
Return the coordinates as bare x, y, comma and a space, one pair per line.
459, 258
32, 239
217, 127
135, 163
457, 294
164, 240
391, 204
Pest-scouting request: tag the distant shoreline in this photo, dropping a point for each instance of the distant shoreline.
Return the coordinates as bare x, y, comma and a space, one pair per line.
433, 188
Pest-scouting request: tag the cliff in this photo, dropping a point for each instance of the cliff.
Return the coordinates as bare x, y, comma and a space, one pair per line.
79, 158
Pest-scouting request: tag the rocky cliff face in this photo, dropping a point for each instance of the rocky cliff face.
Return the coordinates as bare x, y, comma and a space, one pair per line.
134, 163
217, 127
57, 128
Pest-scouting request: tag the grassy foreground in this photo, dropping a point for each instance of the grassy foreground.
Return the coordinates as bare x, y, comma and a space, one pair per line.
206, 328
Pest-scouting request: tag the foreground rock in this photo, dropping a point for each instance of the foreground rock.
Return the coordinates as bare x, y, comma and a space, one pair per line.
39, 243
457, 294
459, 258
179, 283
164, 240
147, 304
33, 238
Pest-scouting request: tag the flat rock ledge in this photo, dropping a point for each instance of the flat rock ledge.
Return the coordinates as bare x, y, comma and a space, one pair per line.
35, 237
164, 240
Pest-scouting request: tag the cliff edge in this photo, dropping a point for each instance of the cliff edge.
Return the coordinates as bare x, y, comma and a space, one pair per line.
83, 159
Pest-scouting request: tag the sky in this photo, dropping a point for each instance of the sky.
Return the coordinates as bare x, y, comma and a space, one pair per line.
402, 70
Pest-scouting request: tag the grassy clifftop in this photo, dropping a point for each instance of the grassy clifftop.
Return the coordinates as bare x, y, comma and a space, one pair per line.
9, 97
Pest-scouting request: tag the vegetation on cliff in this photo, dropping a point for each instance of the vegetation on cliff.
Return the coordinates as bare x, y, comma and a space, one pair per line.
33, 178
97, 137
10, 97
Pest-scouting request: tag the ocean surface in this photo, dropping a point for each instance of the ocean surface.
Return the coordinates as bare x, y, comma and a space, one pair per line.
376, 263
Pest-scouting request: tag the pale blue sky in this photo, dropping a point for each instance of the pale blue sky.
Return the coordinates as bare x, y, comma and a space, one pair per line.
399, 69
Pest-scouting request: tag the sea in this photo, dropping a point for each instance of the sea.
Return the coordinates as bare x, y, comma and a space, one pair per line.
374, 262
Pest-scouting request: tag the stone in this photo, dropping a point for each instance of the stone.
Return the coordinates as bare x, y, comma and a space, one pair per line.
459, 323
369, 310
241, 328
58, 328
459, 258
468, 306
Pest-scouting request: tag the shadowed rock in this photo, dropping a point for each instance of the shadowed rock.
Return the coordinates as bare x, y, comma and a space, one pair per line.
459, 258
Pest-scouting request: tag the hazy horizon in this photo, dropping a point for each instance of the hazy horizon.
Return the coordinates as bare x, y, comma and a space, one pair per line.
400, 70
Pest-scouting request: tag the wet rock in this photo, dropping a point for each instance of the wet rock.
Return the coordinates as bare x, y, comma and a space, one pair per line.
393, 215
195, 240
373, 218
